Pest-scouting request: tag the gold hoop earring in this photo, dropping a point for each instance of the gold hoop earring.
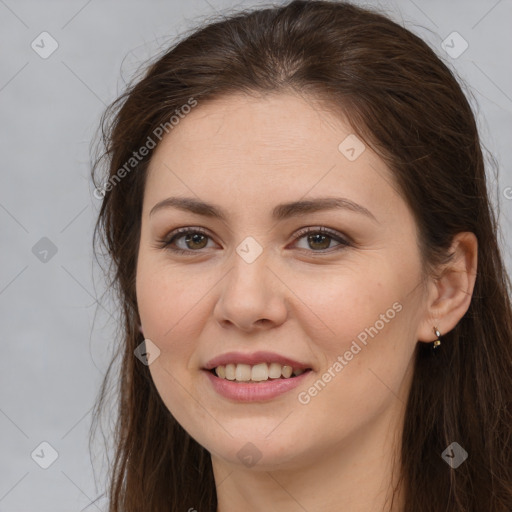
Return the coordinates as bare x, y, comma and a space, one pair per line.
438, 341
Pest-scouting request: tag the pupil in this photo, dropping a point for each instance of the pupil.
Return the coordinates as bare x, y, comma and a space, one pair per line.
319, 236
194, 238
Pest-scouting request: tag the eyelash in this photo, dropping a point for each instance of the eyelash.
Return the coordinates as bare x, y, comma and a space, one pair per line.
180, 232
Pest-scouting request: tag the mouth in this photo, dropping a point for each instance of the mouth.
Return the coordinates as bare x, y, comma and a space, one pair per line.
261, 382
258, 373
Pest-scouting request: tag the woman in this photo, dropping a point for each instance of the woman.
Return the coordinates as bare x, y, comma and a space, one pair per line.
316, 314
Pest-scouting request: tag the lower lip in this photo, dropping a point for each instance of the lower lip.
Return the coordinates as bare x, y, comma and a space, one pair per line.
254, 391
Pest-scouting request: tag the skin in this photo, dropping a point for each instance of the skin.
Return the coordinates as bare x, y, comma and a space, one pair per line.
247, 155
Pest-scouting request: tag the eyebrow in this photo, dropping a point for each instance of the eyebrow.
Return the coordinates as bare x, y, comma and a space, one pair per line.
279, 213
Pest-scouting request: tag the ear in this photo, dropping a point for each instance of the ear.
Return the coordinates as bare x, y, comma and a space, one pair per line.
451, 291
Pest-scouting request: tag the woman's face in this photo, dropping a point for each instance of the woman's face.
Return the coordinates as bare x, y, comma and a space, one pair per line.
346, 303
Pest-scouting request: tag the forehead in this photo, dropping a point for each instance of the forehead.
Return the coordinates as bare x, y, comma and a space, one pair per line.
242, 123
255, 148
270, 132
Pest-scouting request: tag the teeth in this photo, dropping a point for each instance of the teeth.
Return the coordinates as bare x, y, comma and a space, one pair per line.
256, 373
274, 371
230, 372
286, 372
259, 372
243, 372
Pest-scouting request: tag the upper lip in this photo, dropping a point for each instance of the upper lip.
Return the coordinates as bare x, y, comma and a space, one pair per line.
254, 358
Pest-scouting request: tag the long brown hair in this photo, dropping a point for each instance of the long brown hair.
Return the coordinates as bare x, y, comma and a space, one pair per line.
405, 103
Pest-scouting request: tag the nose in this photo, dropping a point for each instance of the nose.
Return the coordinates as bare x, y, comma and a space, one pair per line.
251, 297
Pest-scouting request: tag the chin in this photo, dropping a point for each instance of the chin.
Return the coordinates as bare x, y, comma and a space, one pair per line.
258, 452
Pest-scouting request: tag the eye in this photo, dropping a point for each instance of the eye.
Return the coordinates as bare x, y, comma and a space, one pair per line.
318, 240
194, 239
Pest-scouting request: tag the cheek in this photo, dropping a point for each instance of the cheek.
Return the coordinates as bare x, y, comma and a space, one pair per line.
339, 303
166, 299
360, 323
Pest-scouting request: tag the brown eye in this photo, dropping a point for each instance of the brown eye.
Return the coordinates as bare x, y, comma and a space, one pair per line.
195, 241
320, 239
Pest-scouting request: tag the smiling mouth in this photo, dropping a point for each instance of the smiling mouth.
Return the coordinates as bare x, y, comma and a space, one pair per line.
261, 372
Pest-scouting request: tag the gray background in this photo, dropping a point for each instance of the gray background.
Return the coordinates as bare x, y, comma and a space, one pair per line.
56, 328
